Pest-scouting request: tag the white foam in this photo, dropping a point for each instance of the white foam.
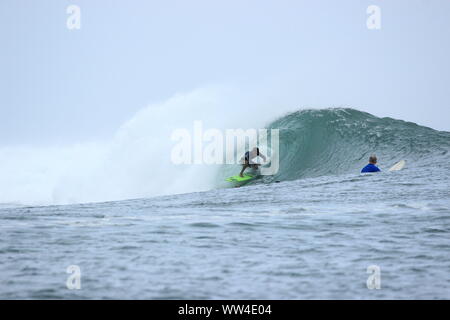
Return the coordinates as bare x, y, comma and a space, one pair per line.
136, 161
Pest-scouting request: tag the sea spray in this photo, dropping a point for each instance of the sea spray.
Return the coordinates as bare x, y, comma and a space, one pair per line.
136, 161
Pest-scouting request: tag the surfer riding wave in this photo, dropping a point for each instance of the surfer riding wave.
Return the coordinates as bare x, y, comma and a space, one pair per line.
247, 160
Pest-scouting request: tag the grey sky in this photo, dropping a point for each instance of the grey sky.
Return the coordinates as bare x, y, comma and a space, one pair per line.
61, 86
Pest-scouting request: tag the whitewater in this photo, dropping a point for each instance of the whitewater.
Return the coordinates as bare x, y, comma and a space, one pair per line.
139, 227
136, 161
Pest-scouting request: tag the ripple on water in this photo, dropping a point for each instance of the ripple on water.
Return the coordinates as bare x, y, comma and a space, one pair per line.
204, 225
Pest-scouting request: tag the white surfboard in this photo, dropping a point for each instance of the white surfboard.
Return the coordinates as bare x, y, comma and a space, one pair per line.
398, 166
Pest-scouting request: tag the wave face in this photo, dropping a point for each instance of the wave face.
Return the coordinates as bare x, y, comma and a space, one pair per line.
338, 141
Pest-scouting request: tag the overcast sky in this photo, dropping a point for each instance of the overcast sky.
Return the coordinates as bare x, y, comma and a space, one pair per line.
59, 85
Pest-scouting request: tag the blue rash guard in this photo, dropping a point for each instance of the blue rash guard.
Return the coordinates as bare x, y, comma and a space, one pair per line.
370, 168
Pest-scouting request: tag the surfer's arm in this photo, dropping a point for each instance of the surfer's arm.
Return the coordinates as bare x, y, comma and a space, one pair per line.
262, 156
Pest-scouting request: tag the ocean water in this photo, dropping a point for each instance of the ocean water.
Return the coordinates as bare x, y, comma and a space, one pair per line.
311, 236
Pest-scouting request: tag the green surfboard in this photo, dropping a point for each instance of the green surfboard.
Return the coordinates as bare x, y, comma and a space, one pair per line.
238, 178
